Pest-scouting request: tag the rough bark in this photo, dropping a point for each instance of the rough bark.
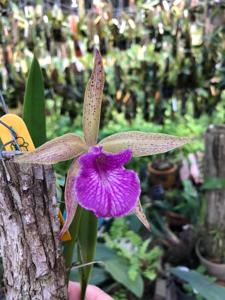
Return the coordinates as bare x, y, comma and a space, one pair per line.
215, 167
32, 257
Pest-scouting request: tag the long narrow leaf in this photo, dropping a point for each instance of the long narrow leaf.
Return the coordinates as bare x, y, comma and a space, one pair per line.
69, 246
200, 284
87, 238
34, 105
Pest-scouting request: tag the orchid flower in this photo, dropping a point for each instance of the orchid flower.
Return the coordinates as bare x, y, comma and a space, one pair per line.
97, 179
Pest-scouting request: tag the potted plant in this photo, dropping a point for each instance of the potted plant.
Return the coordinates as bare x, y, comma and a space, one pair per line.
210, 251
162, 172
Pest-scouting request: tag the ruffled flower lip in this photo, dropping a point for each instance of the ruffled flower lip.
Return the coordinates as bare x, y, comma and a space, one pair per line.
104, 186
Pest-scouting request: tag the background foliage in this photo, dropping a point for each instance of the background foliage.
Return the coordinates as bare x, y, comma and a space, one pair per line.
162, 61
165, 72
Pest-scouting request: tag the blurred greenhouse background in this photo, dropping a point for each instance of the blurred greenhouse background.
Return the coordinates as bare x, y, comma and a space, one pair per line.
165, 72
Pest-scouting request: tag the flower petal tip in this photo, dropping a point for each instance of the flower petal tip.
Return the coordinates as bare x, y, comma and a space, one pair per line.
141, 216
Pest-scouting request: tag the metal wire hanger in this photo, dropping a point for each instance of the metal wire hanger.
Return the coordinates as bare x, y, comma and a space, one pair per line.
4, 106
12, 131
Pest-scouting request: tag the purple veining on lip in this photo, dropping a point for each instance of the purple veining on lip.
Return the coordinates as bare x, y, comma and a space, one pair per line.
104, 186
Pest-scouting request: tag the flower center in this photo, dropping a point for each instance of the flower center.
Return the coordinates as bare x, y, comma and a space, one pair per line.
101, 169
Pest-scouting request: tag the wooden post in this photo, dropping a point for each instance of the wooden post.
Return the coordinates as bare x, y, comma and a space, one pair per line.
214, 166
32, 257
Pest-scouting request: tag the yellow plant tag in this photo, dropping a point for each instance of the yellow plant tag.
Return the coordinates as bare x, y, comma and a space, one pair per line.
25, 142
66, 236
23, 137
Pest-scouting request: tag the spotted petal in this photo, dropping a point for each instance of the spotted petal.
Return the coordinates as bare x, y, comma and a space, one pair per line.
93, 101
69, 196
104, 186
59, 149
142, 143
141, 215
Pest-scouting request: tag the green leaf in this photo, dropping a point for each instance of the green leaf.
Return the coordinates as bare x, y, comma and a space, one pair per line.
98, 277
150, 274
200, 284
69, 245
118, 268
87, 238
34, 104
213, 183
103, 253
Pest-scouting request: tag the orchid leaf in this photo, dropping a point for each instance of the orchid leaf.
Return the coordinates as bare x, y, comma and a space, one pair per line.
69, 196
118, 268
34, 104
141, 215
68, 248
142, 143
200, 284
87, 239
59, 149
93, 101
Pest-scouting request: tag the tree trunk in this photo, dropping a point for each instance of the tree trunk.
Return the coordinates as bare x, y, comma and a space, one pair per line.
215, 167
31, 252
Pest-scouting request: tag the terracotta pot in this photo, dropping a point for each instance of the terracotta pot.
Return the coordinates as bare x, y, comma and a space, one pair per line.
165, 177
214, 269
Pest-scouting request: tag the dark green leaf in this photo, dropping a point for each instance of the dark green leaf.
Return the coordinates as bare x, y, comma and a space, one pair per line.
87, 238
200, 284
212, 183
118, 268
34, 105
98, 276
70, 245
103, 253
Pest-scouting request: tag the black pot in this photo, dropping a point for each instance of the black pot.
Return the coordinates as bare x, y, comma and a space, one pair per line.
174, 291
182, 296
